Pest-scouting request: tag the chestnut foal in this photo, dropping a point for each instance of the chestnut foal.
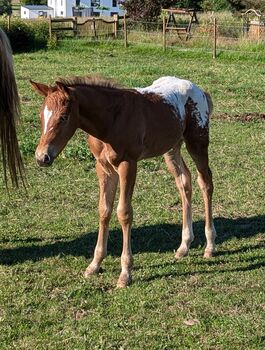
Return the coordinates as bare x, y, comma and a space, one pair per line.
125, 126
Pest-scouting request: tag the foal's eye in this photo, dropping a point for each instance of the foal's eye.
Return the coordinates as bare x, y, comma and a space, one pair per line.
63, 118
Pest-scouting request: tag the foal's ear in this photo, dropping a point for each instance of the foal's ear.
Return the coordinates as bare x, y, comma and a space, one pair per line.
62, 87
41, 89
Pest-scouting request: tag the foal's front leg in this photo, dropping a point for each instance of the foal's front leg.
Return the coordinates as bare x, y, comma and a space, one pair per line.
108, 180
127, 174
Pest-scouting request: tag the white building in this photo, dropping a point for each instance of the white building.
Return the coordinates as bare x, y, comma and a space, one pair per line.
62, 8
35, 11
106, 7
69, 8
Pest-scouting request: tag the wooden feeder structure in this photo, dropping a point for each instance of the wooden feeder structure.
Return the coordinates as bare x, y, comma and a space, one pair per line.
182, 30
253, 24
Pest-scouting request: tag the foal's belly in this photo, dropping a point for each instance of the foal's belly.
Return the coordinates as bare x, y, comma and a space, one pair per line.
158, 143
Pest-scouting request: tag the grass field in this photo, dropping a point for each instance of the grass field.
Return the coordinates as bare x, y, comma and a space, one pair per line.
47, 236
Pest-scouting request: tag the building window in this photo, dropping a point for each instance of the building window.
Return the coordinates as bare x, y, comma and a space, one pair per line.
25, 12
95, 3
114, 3
61, 13
42, 14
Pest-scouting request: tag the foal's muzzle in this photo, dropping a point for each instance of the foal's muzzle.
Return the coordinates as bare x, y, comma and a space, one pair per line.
44, 159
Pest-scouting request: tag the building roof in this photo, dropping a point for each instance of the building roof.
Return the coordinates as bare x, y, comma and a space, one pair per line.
37, 7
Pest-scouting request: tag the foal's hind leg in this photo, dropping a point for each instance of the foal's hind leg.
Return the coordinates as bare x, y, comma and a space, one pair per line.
108, 185
182, 176
199, 152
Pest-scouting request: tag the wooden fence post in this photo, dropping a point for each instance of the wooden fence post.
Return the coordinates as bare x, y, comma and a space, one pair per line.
214, 37
116, 23
8, 22
50, 27
94, 28
164, 33
125, 31
75, 26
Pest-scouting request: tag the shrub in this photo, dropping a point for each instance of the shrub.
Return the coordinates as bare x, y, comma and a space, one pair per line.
40, 28
26, 35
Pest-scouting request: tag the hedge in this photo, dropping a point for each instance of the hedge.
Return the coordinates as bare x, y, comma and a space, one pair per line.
26, 35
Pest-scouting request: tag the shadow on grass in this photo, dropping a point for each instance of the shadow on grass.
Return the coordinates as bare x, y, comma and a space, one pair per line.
153, 238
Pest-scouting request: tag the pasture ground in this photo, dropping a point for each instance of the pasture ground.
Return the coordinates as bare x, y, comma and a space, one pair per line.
47, 236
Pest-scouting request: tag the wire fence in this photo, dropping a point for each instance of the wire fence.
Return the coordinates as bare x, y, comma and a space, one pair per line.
213, 36
205, 40
209, 35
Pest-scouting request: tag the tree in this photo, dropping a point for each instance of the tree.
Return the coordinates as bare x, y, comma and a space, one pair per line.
5, 7
216, 5
151, 9
196, 4
33, 2
248, 4
143, 9
254, 4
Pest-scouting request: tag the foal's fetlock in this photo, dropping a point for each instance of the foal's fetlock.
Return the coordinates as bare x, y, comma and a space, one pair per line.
92, 269
181, 253
209, 253
124, 280
184, 248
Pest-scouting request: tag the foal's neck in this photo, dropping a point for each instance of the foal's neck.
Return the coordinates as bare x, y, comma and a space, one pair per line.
97, 108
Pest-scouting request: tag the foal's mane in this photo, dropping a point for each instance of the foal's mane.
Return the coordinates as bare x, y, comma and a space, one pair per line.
88, 81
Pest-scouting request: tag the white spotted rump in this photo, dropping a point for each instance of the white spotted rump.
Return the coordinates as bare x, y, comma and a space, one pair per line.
176, 92
47, 116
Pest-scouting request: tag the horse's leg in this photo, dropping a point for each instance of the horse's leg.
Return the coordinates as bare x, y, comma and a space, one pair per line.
107, 185
127, 174
182, 177
199, 153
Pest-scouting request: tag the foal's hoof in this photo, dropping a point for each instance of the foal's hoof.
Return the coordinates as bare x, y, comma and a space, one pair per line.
208, 254
91, 270
181, 254
124, 281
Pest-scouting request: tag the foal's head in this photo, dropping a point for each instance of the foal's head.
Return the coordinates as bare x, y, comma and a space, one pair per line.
59, 120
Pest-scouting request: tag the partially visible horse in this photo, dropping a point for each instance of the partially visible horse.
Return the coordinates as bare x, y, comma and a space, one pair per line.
9, 113
125, 126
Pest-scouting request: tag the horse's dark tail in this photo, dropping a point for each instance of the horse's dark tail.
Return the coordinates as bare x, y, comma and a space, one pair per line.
9, 113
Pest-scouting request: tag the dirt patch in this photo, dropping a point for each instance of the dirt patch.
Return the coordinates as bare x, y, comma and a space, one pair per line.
245, 117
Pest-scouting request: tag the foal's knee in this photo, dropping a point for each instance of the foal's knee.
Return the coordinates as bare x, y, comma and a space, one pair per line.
105, 213
124, 214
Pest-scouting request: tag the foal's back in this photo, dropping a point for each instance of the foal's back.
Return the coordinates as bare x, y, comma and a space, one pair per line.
179, 94
182, 111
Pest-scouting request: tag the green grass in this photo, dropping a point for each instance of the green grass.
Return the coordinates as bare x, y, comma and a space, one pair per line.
47, 236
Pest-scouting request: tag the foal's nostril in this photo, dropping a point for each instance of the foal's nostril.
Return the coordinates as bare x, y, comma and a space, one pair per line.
46, 158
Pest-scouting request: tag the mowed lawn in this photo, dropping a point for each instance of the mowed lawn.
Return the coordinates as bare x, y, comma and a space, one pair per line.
47, 235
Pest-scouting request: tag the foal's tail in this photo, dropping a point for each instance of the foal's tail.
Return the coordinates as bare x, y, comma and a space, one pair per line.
209, 102
9, 113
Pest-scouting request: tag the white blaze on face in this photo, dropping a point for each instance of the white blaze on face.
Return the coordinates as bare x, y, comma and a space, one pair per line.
47, 115
176, 93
